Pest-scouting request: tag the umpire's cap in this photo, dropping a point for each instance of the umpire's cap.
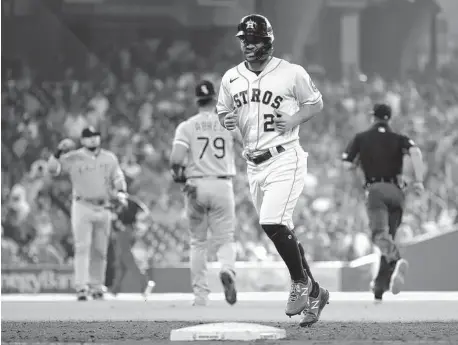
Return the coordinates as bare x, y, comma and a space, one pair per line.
205, 90
382, 111
89, 132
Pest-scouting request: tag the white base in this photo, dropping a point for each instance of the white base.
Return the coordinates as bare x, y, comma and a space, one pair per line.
227, 331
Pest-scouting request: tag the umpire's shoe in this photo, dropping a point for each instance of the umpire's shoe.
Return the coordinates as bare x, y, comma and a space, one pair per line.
81, 295
398, 276
228, 281
298, 297
317, 304
381, 282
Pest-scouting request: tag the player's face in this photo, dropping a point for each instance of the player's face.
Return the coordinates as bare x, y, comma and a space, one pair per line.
250, 45
91, 142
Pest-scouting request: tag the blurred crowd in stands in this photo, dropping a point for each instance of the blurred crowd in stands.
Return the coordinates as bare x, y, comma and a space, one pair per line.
138, 105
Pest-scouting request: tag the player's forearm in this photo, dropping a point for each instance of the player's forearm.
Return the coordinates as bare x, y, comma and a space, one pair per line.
54, 166
417, 164
176, 159
221, 118
307, 112
120, 184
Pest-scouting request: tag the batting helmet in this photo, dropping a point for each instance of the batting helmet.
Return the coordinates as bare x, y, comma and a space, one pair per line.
252, 30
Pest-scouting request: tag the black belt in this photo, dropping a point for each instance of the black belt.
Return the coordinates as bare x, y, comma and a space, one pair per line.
392, 180
264, 157
222, 177
95, 201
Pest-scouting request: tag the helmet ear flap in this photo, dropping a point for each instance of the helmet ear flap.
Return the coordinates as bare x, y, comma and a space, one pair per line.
266, 50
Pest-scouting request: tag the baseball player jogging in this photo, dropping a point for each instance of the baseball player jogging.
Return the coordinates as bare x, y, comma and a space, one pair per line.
379, 152
96, 178
203, 158
267, 99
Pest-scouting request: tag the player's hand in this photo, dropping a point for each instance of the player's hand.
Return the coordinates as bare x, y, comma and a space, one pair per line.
418, 188
122, 198
283, 122
178, 173
231, 120
190, 189
66, 145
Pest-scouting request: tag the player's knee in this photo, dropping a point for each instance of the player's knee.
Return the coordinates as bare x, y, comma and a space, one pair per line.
273, 230
99, 254
379, 234
383, 241
82, 249
221, 239
199, 243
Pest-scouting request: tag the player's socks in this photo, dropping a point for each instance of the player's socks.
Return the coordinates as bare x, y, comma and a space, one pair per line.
286, 244
316, 288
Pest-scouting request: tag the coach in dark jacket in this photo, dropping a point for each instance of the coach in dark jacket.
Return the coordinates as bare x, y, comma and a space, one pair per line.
379, 152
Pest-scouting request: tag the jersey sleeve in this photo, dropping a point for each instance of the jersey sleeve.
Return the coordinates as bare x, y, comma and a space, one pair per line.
305, 90
352, 150
182, 135
406, 144
66, 161
225, 103
237, 136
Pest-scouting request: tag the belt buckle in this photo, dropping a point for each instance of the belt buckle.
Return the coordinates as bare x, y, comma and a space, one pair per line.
257, 157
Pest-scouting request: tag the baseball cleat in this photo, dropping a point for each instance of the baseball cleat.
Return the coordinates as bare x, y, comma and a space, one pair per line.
317, 304
377, 290
378, 301
298, 298
398, 276
98, 295
230, 292
381, 282
81, 295
200, 302
149, 288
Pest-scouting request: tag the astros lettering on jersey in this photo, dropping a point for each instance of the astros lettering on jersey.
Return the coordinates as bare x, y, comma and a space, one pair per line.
281, 86
210, 145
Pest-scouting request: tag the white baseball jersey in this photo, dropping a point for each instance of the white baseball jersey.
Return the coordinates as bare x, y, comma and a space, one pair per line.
210, 145
280, 86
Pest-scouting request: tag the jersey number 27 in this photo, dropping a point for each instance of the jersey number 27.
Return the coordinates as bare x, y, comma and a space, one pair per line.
218, 144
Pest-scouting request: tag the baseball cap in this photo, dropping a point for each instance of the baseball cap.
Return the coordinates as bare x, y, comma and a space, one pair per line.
382, 111
89, 132
205, 90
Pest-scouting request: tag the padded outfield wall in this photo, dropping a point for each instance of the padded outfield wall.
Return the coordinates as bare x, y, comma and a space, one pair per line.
433, 268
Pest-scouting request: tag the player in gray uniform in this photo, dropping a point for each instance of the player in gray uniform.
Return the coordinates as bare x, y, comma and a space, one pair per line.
96, 179
203, 158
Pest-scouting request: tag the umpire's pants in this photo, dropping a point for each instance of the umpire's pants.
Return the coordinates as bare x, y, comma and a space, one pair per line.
385, 204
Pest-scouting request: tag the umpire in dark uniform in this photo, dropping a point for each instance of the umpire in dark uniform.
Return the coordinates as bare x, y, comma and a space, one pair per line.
380, 153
